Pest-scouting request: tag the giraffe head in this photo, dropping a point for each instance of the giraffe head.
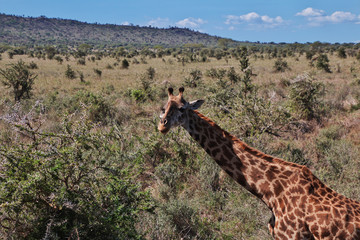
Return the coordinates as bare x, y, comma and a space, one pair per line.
174, 113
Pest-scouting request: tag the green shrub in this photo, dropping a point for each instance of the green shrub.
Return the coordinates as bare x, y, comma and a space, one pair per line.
125, 64
305, 96
98, 72
322, 63
194, 79
309, 54
81, 76
138, 94
280, 65
33, 65
233, 76
19, 79
150, 73
11, 54
70, 73
341, 52
50, 52
81, 61
98, 108
75, 184
109, 66
59, 59
214, 73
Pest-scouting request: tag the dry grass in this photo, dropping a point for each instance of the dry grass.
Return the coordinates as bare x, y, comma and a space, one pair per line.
51, 73
140, 120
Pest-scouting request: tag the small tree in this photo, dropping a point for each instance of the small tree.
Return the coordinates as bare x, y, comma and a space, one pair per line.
305, 97
244, 59
50, 52
98, 72
11, 54
70, 73
309, 54
125, 64
59, 59
233, 76
322, 62
19, 78
150, 72
341, 52
281, 65
81, 76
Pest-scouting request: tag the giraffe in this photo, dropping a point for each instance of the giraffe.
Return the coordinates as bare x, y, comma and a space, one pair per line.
302, 206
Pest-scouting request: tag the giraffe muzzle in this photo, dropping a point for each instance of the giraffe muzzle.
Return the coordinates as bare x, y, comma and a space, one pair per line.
162, 126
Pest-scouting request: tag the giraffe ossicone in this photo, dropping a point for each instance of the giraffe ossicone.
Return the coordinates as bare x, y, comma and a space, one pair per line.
302, 206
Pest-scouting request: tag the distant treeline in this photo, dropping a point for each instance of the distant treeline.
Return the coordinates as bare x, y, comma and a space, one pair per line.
31, 32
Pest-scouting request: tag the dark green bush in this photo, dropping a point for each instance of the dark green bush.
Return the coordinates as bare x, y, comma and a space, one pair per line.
322, 63
81, 61
19, 78
341, 52
150, 73
309, 54
70, 73
280, 65
125, 64
59, 59
98, 72
50, 52
33, 65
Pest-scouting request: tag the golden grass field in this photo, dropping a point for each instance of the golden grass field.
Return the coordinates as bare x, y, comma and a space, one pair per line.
51, 73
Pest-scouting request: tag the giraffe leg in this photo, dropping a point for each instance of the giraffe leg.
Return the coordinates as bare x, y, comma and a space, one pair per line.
271, 225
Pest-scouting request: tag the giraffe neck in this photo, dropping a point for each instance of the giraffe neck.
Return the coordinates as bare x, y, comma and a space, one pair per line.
260, 174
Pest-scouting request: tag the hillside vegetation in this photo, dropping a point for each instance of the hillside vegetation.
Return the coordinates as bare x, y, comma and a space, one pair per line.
81, 156
16, 30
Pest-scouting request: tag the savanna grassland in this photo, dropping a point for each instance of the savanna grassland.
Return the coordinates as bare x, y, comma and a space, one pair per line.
81, 156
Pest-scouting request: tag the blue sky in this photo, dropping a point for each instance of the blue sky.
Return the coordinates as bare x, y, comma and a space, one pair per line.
251, 20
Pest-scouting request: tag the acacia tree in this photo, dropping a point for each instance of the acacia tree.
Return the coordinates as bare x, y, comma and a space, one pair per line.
19, 78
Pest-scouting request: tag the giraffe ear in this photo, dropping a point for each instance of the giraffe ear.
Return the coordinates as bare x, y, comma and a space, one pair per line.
196, 104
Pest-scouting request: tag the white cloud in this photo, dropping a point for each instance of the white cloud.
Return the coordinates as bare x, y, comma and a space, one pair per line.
338, 17
126, 23
190, 23
317, 17
253, 18
159, 22
310, 12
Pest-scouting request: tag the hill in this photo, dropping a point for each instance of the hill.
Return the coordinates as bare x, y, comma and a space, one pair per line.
15, 30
